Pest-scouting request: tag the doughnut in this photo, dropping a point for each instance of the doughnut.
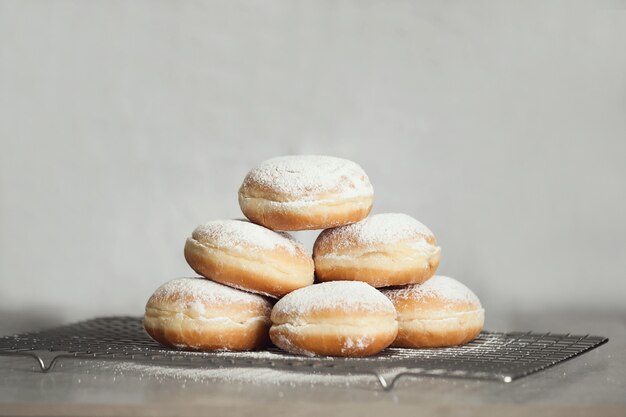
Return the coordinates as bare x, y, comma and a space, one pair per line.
382, 250
306, 192
340, 318
249, 257
198, 314
438, 313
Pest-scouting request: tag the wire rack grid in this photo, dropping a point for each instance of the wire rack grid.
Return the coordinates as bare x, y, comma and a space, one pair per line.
492, 356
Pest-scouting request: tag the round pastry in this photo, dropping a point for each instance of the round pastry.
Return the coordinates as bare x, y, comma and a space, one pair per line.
306, 192
438, 313
338, 318
250, 257
198, 314
382, 250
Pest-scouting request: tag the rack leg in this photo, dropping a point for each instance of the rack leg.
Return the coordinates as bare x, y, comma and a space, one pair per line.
38, 358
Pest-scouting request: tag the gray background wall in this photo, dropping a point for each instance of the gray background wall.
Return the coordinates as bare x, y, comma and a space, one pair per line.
123, 125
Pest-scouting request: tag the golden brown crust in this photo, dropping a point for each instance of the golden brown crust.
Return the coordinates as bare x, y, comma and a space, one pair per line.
451, 331
198, 314
383, 250
306, 192
442, 312
316, 215
192, 334
330, 242
429, 308
270, 272
354, 304
380, 265
355, 316
335, 340
335, 318
376, 277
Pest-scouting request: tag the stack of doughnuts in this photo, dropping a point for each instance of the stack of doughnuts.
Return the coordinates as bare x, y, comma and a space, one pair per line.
258, 284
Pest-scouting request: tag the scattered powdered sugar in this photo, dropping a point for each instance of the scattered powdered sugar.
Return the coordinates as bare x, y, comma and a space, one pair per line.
439, 286
348, 295
234, 233
357, 343
204, 291
302, 176
244, 375
376, 229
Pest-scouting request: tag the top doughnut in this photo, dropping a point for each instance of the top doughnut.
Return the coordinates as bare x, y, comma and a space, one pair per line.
306, 192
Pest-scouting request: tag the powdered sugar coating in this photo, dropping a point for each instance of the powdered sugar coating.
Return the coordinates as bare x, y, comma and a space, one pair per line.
201, 290
287, 345
440, 287
233, 234
386, 228
351, 343
304, 177
345, 295
357, 343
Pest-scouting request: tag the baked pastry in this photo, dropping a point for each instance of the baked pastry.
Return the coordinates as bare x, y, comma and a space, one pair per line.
438, 313
382, 250
306, 192
198, 314
250, 257
334, 318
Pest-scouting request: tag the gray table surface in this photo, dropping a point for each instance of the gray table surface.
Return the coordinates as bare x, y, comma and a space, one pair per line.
592, 384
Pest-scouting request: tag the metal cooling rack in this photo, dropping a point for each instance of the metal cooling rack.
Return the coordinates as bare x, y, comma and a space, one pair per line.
492, 356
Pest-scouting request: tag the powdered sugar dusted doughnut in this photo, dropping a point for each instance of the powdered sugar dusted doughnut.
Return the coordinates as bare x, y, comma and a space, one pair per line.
440, 312
338, 318
382, 250
198, 314
247, 256
306, 192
